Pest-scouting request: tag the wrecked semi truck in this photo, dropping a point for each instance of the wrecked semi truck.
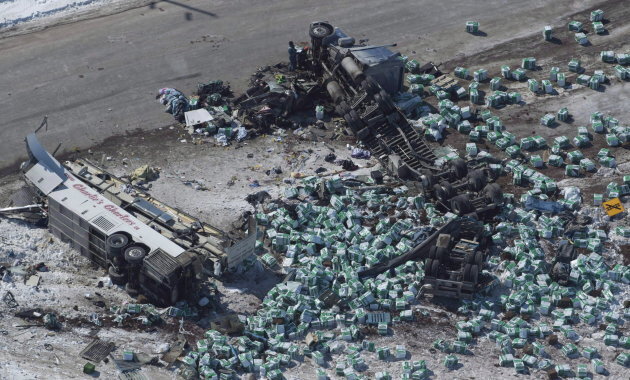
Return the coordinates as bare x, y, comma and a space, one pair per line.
151, 248
360, 80
454, 257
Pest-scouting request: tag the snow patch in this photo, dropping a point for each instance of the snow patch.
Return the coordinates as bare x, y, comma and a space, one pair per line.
13, 12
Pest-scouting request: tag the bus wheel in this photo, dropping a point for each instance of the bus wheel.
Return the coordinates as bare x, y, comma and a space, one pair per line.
116, 277
115, 243
174, 295
131, 290
135, 254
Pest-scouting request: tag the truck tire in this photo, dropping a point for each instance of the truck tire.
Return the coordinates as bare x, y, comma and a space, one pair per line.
116, 277
320, 30
435, 268
466, 272
428, 180
469, 258
476, 181
115, 243
478, 258
428, 264
131, 290
474, 273
135, 254
461, 205
439, 193
493, 193
442, 255
432, 252
460, 169
448, 188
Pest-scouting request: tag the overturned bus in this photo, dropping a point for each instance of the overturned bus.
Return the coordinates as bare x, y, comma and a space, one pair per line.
145, 245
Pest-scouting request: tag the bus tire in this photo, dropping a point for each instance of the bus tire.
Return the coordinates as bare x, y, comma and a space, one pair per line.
174, 295
115, 243
117, 278
131, 290
135, 254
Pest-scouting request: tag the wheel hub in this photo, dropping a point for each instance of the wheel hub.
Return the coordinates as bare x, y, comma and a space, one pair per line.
135, 253
320, 31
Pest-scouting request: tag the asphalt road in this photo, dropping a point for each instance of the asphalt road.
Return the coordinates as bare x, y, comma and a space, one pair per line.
97, 78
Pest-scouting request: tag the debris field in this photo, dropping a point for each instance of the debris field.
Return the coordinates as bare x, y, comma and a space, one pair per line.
463, 220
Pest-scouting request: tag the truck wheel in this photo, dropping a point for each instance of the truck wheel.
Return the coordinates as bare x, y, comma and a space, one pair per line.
131, 290
115, 243
439, 193
476, 183
466, 272
435, 268
428, 180
135, 254
474, 273
494, 193
461, 205
442, 255
478, 258
460, 168
320, 30
432, 252
469, 258
448, 188
428, 265
116, 277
